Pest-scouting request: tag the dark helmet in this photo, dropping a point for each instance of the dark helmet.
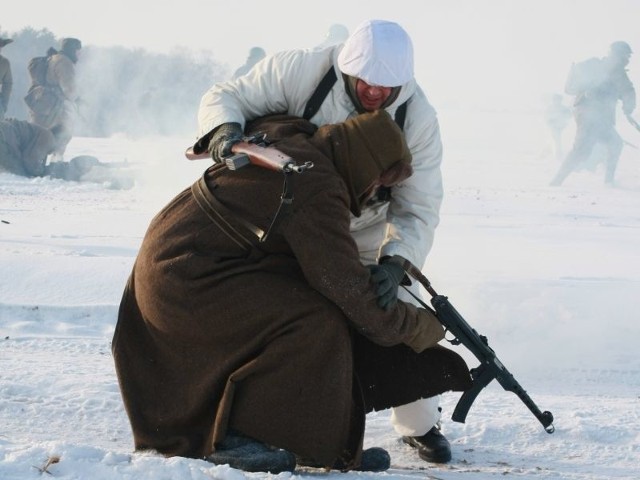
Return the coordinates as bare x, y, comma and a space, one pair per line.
68, 44
70, 47
621, 49
257, 53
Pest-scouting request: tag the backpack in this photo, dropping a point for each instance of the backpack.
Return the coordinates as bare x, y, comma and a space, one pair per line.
37, 68
584, 76
42, 98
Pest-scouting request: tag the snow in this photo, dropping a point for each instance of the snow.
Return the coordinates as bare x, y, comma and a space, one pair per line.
549, 274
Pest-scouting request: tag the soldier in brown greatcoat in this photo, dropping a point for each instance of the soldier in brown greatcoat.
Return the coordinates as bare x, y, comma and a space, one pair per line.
228, 349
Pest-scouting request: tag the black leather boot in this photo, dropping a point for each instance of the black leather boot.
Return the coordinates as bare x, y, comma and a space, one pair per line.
432, 447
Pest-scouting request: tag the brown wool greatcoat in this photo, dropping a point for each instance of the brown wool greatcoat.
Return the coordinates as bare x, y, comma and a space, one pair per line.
280, 340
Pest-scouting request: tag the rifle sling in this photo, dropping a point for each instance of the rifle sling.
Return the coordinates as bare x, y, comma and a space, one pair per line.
219, 214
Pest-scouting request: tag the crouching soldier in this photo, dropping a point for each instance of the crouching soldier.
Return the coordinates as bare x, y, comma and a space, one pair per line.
24, 147
267, 354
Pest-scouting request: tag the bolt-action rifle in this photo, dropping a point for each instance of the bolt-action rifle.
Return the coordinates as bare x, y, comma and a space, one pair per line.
490, 367
252, 150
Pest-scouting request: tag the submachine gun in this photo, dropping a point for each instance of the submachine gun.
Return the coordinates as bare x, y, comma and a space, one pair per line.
490, 367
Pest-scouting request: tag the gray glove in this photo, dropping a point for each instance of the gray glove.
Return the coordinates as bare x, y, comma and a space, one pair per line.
224, 137
387, 277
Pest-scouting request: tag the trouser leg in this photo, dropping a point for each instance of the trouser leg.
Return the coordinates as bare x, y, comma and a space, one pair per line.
416, 418
614, 148
582, 147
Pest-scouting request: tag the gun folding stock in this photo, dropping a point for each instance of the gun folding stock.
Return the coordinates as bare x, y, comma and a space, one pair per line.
481, 378
490, 367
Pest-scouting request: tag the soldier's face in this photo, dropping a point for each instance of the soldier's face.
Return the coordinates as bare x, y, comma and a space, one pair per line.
371, 97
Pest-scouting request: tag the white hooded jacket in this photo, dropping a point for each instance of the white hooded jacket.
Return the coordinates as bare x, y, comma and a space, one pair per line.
284, 82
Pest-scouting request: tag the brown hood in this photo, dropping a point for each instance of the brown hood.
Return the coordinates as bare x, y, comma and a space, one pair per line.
375, 151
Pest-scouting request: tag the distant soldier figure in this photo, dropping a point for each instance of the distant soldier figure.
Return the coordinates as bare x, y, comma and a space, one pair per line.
52, 98
598, 84
6, 80
336, 34
24, 147
255, 55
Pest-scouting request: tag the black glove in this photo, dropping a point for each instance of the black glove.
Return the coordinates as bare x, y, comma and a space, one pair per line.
223, 138
387, 277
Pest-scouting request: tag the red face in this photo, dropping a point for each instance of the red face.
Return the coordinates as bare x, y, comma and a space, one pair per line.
371, 97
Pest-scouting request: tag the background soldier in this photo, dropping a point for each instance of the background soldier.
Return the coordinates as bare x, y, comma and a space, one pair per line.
24, 147
255, 55
6, 80
54, 104
598, 84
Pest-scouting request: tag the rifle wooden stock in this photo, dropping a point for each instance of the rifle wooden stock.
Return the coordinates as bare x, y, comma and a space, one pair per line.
245, 152
490, 367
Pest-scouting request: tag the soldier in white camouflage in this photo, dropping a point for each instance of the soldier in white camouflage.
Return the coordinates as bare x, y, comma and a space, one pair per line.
598, 84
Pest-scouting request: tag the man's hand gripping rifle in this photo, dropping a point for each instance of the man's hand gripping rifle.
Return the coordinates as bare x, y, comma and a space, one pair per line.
490, 367
253, 150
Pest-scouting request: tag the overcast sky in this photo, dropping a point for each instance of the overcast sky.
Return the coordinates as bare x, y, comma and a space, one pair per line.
466, 50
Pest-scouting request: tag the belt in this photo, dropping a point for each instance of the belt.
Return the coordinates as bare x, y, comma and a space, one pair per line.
216, 212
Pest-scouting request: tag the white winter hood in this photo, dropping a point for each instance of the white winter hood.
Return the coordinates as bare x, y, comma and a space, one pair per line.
378, 52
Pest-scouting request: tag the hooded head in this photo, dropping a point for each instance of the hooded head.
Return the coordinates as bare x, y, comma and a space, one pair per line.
378, 52
377, 155
70, 47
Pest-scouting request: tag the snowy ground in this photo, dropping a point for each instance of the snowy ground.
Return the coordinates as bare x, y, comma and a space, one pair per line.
550, 275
